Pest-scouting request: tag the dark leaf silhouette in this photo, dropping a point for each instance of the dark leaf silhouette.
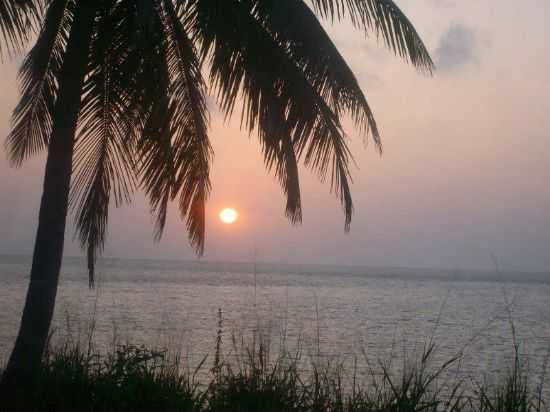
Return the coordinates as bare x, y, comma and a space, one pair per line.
18, 21
32, 118
143, 121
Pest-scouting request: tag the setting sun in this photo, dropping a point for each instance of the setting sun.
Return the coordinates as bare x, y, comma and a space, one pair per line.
228, 215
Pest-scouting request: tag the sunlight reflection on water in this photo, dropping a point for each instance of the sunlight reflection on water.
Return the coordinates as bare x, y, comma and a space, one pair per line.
172, 305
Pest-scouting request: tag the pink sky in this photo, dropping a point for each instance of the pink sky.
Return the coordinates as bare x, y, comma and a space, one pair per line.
464, 174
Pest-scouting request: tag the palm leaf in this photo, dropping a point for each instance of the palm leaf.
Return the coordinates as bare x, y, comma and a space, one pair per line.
104, 165
175, 150
294, 26
32, 118
280, 155
243, 57
189, 126
386, 20
157, 170
18, 20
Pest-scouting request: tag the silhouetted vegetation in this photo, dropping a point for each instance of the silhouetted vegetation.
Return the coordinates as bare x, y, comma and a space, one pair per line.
248, 377
114, 92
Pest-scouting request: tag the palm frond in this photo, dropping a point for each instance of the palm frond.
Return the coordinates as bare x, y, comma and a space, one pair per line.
280, 155
294, 26
156, 166
191, 144
243, 58
104, 165
175, 150
279, 152
18, 20
385, 19
32, 117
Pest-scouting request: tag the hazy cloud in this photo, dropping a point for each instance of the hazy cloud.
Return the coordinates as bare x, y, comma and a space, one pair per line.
457, 48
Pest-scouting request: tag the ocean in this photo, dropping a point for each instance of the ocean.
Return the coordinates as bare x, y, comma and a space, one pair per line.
341, 312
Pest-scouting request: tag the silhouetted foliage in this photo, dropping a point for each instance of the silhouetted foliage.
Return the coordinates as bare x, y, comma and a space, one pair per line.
248, 378
144, 119
114, 90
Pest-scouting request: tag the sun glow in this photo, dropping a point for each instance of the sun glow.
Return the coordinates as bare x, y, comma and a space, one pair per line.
228, 215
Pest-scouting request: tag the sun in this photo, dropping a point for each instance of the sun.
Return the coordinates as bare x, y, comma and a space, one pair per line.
228, 215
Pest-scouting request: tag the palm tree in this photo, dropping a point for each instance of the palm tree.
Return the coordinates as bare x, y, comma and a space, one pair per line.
113, 90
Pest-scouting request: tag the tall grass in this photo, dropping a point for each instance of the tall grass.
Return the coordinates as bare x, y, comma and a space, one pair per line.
246, 375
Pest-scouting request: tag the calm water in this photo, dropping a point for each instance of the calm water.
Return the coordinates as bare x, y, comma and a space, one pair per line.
382, 313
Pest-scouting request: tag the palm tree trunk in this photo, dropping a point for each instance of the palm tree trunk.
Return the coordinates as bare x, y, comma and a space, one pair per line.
48, 249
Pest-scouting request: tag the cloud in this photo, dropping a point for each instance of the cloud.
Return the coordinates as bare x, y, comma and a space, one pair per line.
458, 47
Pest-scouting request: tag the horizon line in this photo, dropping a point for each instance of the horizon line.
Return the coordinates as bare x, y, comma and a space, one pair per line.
326, 265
